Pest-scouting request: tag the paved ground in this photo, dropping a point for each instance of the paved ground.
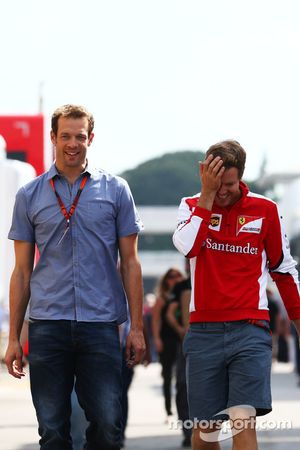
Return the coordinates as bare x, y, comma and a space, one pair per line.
147, 429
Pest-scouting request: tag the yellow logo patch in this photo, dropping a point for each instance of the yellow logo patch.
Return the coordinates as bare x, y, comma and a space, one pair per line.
242, 220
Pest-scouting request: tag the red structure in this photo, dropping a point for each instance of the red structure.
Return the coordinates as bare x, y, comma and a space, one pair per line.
24, 136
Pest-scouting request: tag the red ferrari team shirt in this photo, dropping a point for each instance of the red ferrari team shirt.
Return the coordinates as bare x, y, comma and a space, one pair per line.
231, 252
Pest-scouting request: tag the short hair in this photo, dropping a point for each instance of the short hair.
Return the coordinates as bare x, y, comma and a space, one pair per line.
231, 153
73, 111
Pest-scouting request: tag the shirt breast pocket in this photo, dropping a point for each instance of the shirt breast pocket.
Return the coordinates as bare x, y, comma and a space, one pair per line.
101, 218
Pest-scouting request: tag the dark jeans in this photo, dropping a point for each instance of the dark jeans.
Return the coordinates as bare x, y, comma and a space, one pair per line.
78, 423
61, 350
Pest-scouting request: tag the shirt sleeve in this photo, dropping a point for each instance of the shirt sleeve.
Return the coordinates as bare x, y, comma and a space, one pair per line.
282, 266
22, 228
191, 230
128, 220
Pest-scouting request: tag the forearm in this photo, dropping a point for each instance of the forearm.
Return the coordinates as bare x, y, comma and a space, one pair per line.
206, 200
133, 285
173, 322
19, 298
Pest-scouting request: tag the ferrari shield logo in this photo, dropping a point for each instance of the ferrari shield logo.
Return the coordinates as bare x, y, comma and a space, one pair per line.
249, 224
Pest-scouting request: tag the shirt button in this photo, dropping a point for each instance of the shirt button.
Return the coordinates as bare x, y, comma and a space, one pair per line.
75, 263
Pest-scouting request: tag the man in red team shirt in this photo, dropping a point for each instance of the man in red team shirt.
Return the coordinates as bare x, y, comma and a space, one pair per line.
234, 239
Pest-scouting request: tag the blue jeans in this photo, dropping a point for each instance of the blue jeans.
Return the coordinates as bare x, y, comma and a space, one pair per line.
90, 351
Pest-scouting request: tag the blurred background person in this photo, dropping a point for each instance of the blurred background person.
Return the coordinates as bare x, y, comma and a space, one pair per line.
178, 318
166, 340
149, 302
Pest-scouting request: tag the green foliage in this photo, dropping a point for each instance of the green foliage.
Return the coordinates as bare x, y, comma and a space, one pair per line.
164, 180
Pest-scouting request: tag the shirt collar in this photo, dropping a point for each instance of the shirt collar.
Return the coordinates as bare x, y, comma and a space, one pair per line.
53, 172
244, 188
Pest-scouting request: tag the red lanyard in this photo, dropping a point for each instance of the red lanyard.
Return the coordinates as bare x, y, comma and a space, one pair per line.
69, 214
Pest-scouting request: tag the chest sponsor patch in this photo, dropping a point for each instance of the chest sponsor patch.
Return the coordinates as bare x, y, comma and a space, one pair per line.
249, 224
215, 222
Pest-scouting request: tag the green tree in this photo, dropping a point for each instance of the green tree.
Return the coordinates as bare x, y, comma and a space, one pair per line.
164, 180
